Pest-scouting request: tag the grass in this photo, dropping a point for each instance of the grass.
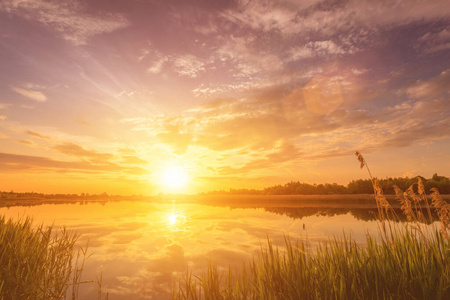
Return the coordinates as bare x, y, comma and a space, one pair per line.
37, 262
403, 261
404, 268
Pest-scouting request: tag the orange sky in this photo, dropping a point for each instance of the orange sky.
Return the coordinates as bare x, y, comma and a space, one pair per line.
106, 97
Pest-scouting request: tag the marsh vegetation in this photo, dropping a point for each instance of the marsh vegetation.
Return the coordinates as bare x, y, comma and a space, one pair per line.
37, 262
402, 261
144, 248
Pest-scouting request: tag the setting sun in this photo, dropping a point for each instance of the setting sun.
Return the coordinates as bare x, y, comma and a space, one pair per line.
186, 140
174, 177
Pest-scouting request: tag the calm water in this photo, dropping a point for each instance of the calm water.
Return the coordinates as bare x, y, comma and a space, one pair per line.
141, 248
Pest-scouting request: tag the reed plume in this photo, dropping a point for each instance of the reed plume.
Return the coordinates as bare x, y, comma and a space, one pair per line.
416, 200
423, 194
443, 210
383, 205
363, 163
405, 204
404, 262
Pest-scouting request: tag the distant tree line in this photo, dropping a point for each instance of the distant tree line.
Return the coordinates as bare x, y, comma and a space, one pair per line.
34, 195
360, 186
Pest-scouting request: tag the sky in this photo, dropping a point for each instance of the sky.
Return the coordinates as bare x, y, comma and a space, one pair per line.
110, 96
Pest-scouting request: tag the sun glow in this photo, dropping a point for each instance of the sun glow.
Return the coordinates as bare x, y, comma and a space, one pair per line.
172, 219
174, 177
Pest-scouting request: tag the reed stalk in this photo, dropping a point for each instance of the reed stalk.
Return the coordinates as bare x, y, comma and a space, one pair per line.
403, 261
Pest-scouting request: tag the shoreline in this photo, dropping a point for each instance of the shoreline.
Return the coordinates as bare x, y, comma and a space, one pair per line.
336, 200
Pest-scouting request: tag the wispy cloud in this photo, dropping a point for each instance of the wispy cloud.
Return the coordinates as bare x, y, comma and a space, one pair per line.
31, 94
281, 154
261, 15
247, 58
19, 163
273, 126
37, 135
157, 66
72, 149
25, 142
431, 88
329, 17
435, 41
133, 160
189, 65
232, 87
69, 19
318, 48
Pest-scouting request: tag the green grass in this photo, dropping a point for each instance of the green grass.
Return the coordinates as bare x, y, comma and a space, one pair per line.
408, 266
401, 261
37, 262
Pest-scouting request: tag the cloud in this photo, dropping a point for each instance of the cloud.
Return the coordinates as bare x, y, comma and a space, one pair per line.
277, 80
78, 151
176, 136
207, 91
2, 117
133, 160
69, 19
435, 41
297, 53
151, 55
259, 121
20, 163
330, 17
317, 48
418, 132
260, 15
37, 135
31, 94
284, 153
406, 124
321, 118
156, 68
189, 65
25, 142
247, 57
431, 88
127, 151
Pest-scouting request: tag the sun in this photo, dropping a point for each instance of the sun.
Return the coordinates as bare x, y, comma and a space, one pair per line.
174, 177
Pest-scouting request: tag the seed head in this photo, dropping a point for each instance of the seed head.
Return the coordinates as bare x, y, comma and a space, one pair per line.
360, 159
420, 187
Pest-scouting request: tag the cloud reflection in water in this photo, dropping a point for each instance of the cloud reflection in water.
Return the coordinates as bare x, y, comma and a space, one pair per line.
142, 248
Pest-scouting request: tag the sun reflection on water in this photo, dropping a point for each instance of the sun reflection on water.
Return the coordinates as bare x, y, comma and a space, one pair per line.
176, 219
144, 246
172, 219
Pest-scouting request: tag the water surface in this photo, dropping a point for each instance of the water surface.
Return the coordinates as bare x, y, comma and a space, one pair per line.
142, 248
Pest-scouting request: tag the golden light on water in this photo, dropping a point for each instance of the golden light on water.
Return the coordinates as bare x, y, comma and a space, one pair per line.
176, 219
172, 218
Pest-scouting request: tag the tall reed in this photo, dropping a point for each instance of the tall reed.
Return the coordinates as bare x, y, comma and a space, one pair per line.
37, 262
404, 261
403, 268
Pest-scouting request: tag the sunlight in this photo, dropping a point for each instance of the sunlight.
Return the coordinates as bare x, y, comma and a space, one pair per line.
172, 219
175, 219
174, 177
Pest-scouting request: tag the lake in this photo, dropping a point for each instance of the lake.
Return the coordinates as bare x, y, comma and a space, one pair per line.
141, 248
